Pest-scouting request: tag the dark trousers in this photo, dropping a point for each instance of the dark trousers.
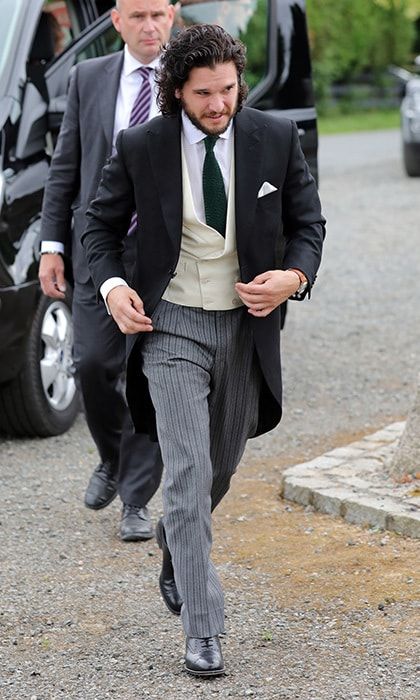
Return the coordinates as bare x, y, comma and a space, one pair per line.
99, 357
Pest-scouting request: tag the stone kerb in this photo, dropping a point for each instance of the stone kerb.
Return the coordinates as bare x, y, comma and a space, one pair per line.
353, 482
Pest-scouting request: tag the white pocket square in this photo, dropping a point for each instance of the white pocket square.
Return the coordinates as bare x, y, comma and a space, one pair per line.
266, 188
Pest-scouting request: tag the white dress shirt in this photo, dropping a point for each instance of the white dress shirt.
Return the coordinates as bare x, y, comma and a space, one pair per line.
130, 84
195, 151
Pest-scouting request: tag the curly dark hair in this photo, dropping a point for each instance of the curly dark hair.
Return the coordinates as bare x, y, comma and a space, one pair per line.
202, 45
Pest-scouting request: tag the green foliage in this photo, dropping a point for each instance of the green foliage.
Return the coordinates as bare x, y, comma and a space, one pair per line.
337, 122
255, 39
349, 37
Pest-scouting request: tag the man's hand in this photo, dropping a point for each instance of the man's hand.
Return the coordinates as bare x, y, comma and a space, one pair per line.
127, 310
267, 291
51, 275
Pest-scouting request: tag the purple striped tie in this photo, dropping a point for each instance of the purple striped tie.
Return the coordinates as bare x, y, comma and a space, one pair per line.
139, 114
141, 107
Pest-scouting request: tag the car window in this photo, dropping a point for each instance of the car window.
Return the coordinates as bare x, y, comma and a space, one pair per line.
10, 21
244, 19
61, 21
107, 42
103, 5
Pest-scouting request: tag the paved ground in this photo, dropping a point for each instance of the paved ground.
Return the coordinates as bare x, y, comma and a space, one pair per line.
317, 608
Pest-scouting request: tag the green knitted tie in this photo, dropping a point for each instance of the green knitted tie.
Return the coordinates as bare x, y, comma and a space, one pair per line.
215, 203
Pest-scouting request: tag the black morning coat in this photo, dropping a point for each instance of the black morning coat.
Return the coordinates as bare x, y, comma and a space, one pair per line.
145, 174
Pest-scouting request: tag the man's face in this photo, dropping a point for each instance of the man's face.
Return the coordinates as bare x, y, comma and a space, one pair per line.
210, 97
145, 25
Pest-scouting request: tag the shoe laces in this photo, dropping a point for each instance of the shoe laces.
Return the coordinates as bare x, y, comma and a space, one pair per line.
106, 468
134, 510
207, 642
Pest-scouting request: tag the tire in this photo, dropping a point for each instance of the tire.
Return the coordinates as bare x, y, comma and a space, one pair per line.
42, 400
411, 160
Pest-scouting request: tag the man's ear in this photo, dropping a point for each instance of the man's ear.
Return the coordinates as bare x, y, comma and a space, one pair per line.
115, 17
172, 10
178, 93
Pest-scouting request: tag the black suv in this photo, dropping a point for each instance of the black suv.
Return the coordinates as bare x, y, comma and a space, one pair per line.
40, 42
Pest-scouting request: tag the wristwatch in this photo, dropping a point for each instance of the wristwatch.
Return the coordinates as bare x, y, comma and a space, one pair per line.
303, 281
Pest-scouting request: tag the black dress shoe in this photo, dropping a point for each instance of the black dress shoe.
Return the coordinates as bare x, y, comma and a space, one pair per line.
102, 486
135, 524
203, 656
167, 583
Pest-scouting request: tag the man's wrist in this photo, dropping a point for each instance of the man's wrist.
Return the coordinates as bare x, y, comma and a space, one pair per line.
52, 248
299, 273
108, 286
303, 283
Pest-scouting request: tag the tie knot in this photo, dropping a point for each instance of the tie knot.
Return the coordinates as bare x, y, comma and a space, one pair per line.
145, 72
209, 143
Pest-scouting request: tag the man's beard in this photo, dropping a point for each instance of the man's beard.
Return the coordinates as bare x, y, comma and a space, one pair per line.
193, 119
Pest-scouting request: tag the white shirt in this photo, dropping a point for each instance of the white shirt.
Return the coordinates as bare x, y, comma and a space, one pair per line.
130, 84
195, 152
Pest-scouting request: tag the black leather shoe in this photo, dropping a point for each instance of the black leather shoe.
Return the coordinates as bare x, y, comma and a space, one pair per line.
135, 524
167, 583
102, 486
203, 656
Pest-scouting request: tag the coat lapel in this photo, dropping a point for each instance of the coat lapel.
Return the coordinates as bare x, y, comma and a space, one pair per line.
164, 144
248, 163
108, 95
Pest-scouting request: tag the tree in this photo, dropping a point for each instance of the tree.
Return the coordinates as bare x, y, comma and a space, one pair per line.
407, 457
349, 37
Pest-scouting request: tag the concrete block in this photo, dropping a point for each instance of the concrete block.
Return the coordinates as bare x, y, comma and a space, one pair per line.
404, 524
355, 483
330, 500
346, 452
296, 491
300, 489
365, 511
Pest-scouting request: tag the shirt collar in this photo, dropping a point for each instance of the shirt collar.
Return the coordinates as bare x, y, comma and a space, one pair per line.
195, 135
131, 64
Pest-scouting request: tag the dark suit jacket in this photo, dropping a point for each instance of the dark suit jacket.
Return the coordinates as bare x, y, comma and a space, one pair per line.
146, 174
83, 146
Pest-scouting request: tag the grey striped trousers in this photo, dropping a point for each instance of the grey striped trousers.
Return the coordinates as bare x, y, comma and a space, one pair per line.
204, 383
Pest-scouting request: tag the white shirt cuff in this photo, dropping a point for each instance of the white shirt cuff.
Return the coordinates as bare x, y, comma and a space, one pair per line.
109, 284
52, 247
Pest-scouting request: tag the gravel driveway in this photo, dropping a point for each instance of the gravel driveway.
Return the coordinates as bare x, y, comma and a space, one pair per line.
316, 609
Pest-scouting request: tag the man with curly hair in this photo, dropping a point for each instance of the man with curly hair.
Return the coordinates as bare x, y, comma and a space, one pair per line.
215, 185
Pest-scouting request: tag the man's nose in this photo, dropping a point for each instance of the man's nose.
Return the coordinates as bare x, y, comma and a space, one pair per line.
149, 25
216, 103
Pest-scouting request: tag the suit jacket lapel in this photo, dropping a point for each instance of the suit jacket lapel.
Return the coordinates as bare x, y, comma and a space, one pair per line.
248, 163
108, 87
164, 144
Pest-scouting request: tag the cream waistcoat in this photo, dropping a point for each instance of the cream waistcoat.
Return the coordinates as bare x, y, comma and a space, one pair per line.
208, 263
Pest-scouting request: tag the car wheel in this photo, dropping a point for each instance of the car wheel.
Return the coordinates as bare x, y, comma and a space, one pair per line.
43, 400
411, 161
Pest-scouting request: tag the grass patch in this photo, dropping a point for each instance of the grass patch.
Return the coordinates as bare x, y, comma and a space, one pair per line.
359, 121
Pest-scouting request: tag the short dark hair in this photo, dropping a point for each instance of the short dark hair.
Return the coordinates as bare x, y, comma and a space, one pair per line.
202, 45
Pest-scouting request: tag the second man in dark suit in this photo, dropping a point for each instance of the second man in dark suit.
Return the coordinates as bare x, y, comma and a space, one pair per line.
106, 95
